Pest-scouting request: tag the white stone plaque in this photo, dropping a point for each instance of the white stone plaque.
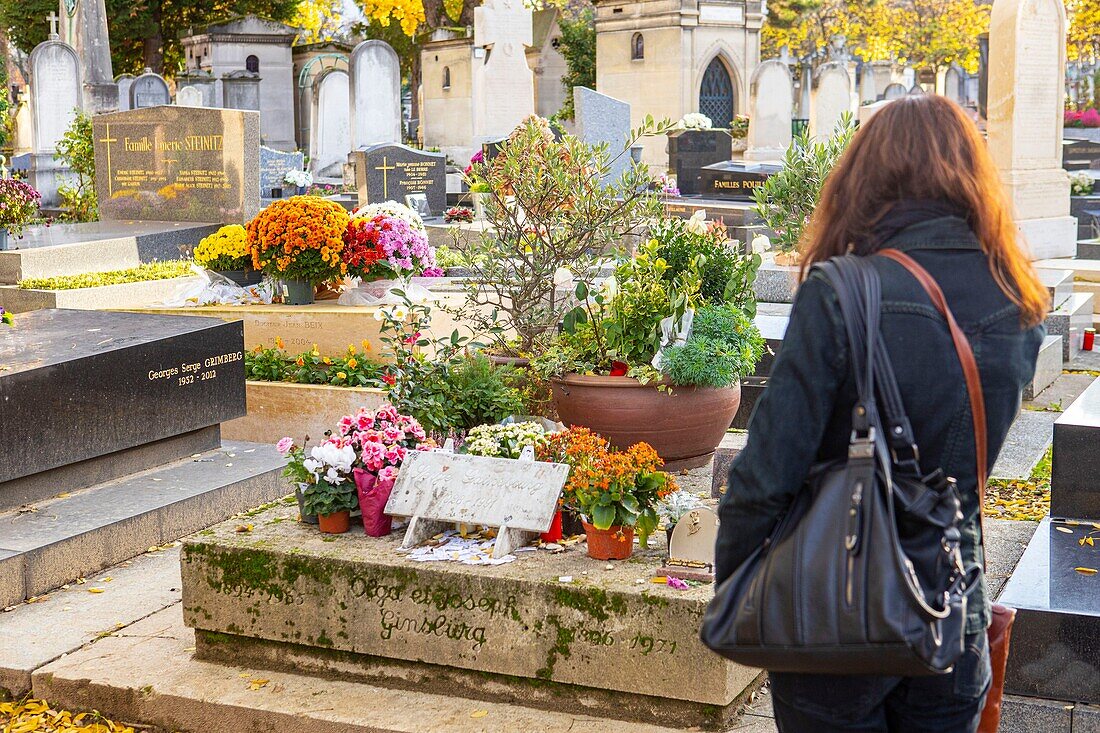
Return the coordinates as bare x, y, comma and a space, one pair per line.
721, 14
438, 488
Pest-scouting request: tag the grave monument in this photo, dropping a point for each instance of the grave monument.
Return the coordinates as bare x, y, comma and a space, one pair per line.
1027, 59
832, 97
330, 129
56, 97
600, 119
392, 172
149, 90
504, 87
375, 85
771, 108
84, 27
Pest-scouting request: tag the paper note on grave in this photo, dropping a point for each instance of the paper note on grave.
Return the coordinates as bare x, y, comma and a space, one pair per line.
514, 495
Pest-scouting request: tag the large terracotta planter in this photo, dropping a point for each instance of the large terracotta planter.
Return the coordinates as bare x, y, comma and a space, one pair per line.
684, 426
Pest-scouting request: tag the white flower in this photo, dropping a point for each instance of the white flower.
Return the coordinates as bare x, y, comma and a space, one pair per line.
697, 224
335, 458
399, 313
695, 121
299, 178
311, 465
761, 244
563, 278
391, 208
610, 288
380, 314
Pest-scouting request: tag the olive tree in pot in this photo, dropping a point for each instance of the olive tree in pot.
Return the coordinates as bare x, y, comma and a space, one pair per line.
648, 359
552, 218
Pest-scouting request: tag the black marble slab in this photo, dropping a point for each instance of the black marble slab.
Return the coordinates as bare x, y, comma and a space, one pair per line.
155, 240
735, 181
1075, 475
76, 385
1087, 211
689, 151
1055, 651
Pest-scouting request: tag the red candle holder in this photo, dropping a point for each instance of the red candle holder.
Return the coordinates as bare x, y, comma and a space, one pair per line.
1090, 337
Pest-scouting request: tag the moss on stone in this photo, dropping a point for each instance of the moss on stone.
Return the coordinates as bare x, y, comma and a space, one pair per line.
592, 601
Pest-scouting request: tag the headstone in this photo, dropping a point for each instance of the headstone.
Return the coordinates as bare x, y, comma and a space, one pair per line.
1080, 154
504, 86
178, 164
392, 172
84, 27
691, 547
601, 119
735, 181
330, 130
124, 81
81, 384
867, 111
149, 90
832, 98
274, 165
189, 97
771, 106
954, 84
689, 151
805, 92
203, 82
1026, 72
56, 97
868, 90
916, 91
241, 90
375, 78
895, 91
437, 489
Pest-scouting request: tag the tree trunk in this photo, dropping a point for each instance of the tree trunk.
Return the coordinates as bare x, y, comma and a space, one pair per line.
153, 53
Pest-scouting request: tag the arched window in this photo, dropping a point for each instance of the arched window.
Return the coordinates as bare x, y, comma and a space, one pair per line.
637, 47
716, 94
252, 64
446, 77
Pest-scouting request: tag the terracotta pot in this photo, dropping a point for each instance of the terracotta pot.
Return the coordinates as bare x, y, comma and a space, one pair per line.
684, 426
614, 543
335, 523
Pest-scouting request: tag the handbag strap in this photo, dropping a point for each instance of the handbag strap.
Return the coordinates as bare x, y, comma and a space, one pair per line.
969, 367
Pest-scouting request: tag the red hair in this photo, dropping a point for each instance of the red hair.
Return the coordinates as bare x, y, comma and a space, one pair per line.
923, 147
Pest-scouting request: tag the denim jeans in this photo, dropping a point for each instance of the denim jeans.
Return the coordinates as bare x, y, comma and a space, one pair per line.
949, 703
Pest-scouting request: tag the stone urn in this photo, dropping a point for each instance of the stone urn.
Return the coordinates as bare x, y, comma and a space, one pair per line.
683, 424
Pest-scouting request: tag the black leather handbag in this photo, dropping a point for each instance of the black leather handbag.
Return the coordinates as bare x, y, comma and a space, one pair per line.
863, 575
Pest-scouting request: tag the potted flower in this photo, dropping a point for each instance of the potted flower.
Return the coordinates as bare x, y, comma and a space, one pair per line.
301, 180
386, 244
646, 359
1081, 184
674, 506
18, 208
300, 241
381, 439
480, 194
227, 253
616, 491
327, 492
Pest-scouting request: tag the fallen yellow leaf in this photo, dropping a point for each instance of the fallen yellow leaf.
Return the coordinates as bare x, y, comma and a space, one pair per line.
257, 684
96, 590
1086, 571
479, 713
1063, 529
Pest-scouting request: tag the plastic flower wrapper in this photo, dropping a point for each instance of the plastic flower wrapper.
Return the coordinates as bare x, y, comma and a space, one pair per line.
674, 506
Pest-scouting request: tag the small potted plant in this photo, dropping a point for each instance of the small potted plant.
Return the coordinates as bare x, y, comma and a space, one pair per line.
300, 241
616, 491
18, 209
387, 244
323, 477
227, 253
1081, 184
301, 180
381, 439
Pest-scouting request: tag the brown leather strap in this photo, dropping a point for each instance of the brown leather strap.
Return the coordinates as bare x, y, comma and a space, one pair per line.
966, 357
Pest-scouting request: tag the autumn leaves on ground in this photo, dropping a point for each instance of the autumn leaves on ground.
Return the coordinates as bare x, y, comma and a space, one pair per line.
36, 716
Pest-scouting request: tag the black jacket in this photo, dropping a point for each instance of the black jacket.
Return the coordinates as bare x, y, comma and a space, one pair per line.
804, 415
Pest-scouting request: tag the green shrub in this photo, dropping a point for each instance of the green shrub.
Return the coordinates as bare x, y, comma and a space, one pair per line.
724, 346
728, 275
143, 273
478, 392
78, 201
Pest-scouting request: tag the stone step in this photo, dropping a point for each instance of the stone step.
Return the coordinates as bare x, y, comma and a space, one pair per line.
105, 297
1083, 269
147, 673
73, 249
1070, 321
58, 540
1047, 368
1076, 462
1058, 282
1093, 288
1088, 249
1027, 441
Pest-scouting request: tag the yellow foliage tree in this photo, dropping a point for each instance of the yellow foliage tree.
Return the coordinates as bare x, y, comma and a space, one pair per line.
318, 19
408, 13
1083, 36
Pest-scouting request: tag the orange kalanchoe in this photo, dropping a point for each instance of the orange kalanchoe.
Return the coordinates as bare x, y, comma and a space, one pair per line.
299, 238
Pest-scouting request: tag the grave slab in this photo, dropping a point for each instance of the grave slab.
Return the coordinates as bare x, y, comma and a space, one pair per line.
1028, 439
76, 617
147, 673
278, 409
636, 641
1031, 715
1060, 395
105, 297
1070, 321
1075, 491
1048, 367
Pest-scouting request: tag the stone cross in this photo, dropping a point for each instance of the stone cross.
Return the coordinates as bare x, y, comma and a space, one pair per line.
52, 18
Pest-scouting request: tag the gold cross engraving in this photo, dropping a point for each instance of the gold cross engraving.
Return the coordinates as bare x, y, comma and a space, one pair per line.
385, 168
108, 139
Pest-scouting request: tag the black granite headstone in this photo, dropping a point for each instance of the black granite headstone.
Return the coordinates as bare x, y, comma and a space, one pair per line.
734, 181
391, 172
1080, 154
1056, 639
689, 151
77, 385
